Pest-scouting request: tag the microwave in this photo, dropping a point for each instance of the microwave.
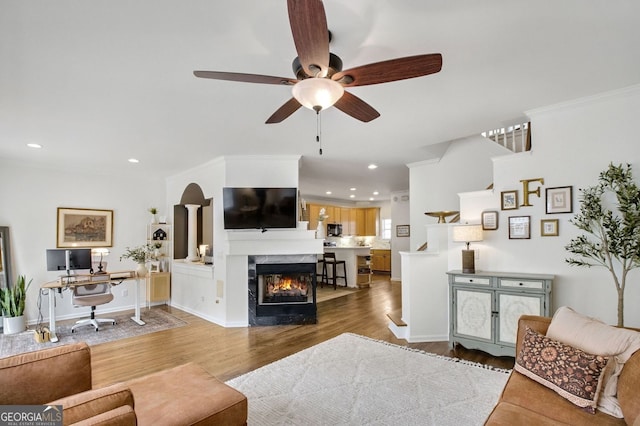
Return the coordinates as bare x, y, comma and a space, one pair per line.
334, 230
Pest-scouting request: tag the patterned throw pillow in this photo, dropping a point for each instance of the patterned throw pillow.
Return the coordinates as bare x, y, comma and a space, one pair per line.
571, 373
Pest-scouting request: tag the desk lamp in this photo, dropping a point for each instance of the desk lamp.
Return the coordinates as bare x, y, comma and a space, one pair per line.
102, 252
466, 234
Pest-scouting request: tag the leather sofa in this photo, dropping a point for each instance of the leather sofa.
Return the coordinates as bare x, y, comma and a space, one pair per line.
183, 395
525, 402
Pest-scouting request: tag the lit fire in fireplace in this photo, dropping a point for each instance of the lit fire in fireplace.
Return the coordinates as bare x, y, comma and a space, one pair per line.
285, 286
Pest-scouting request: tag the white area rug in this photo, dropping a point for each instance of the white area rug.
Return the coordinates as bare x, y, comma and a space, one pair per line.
354, 380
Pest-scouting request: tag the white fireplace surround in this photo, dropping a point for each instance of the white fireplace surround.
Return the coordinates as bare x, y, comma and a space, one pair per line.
289, 243
272, 242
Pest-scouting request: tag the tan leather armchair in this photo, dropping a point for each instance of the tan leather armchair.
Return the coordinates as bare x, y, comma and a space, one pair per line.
183, 395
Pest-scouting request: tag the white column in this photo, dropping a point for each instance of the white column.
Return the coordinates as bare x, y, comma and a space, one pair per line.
192, 231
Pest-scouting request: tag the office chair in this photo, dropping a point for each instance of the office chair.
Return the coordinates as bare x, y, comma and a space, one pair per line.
92, 295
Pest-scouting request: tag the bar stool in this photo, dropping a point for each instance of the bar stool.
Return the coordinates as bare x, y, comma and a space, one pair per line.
330, 259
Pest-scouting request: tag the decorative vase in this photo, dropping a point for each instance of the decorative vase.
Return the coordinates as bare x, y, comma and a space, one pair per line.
154, 218
141, 270
320, 230
14, 325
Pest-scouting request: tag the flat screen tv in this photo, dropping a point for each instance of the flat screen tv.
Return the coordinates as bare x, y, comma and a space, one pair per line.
260, 208
59, 260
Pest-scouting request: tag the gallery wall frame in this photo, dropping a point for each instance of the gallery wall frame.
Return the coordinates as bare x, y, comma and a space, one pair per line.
519, 227
489, 220
559, 199
80, 228
509, 200
402, 230
549, 227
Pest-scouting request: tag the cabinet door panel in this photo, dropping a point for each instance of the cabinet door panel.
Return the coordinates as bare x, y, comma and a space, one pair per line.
473, 313
510, 308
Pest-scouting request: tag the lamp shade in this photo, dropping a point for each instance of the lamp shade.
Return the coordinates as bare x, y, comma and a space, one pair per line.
467, 233
317, 93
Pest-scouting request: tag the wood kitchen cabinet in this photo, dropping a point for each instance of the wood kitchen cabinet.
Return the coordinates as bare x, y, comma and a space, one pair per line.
355, 220
348, 220
381, 260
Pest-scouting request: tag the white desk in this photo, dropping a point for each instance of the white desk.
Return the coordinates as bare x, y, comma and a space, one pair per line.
76, 280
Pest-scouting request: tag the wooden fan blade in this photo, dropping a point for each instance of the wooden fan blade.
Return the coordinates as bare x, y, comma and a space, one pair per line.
245, 78
356, 107
391, 70
291, 106
310, 35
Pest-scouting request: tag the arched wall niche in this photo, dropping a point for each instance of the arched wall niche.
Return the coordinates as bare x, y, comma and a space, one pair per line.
192, 194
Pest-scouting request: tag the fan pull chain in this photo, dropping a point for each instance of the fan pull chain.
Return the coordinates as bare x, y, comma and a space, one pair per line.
319, 130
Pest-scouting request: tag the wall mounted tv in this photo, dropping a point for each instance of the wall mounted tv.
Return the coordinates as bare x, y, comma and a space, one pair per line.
260, 208
68, 259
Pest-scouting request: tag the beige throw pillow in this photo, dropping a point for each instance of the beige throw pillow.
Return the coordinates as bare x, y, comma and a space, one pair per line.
595, 337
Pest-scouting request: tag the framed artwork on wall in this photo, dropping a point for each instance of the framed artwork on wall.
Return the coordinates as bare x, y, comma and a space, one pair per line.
549, 227
559, 199
509, 200
80, 228
519, 227
490, 220
402, 230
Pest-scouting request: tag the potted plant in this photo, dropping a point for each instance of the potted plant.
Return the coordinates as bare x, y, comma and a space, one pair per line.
140, 255
154, 212
610, 216
12, 300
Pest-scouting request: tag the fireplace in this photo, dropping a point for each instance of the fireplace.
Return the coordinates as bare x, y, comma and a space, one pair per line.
282, 290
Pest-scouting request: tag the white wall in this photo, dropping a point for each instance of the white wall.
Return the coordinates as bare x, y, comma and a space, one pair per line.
400, 215
435, 184
572, 143
30, 198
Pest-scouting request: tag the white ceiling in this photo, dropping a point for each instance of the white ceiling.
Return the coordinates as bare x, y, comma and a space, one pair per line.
98, 82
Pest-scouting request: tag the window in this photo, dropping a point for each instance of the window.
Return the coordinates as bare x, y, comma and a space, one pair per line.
386, 229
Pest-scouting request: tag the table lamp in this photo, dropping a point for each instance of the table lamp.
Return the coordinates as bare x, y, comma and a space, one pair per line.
467, 234
102, 252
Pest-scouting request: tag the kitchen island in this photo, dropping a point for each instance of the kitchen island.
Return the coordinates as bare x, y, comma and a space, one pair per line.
354, 258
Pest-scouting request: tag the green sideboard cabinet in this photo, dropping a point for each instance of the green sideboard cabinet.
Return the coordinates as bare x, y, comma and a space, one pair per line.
484, 308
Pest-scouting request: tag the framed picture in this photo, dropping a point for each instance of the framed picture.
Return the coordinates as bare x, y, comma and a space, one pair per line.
490, 221
154, 266
559, 199
549, 227
402, 230
509, 200
519, 227
81, 228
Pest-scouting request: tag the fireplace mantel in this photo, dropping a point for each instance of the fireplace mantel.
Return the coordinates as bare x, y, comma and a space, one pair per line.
275, 241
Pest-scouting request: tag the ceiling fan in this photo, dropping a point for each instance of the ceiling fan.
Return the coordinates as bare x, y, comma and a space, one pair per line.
320, 80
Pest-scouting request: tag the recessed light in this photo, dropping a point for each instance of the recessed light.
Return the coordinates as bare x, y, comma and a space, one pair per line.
372, 166
352, 196
352, 189
376, 193
370, 198
328, 192
133, 160
34, 145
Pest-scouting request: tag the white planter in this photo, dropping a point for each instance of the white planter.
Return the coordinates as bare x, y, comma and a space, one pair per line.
13, 325
141, 270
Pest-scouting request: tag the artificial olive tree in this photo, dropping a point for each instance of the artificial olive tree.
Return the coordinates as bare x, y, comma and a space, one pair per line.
610, 217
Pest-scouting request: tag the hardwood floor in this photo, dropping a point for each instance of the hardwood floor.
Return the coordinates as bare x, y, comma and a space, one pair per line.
230, 352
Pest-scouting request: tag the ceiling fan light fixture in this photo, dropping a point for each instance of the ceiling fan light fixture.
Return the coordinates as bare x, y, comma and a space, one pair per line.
317, 93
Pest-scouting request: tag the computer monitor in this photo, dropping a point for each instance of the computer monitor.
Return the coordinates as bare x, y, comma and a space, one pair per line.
68, 259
